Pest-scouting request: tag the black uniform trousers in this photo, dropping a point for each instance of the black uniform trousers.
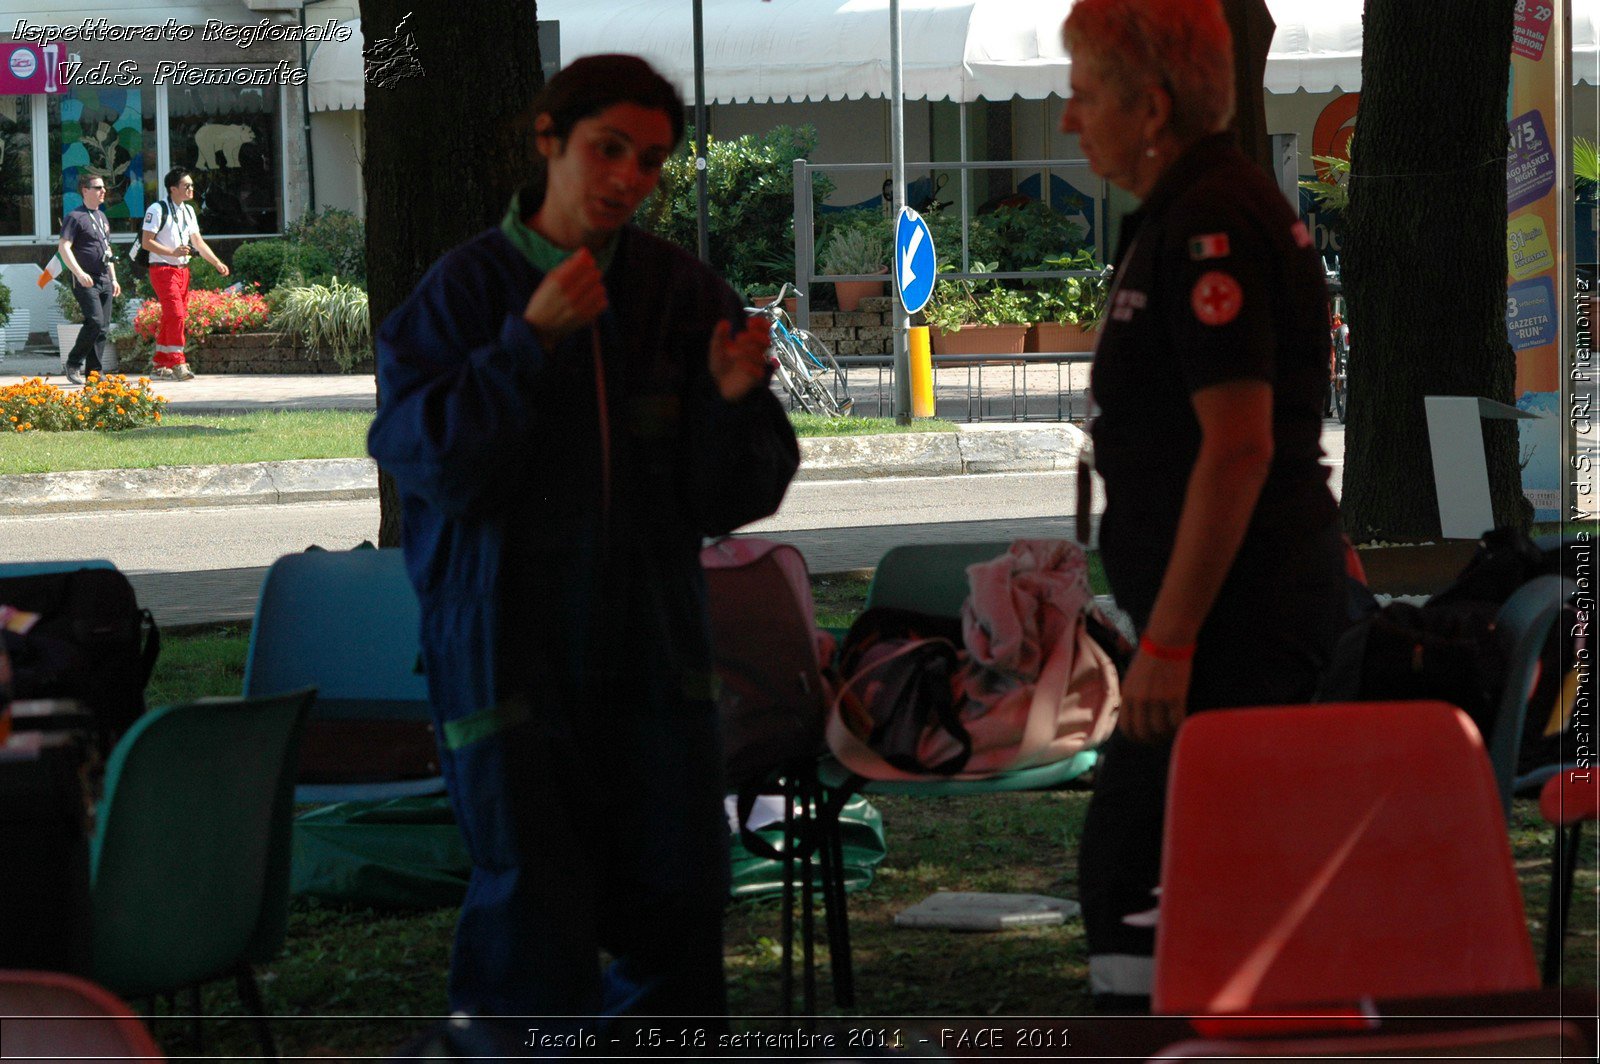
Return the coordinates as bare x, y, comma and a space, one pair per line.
1259, 649
95, 301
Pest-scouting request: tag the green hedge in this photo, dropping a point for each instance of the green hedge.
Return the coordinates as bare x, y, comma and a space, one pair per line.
750, 196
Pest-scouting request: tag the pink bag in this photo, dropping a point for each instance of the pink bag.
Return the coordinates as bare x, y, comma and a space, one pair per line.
1036, 686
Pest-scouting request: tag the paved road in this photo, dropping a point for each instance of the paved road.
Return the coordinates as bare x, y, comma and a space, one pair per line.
199, 539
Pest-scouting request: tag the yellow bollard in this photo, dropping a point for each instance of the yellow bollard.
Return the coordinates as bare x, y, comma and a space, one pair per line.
921, 373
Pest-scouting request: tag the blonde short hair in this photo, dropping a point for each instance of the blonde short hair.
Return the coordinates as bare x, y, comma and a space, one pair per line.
1182, 45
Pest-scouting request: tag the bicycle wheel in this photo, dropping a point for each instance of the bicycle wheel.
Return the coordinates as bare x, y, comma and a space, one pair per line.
795, 374
1338, 387
821, 355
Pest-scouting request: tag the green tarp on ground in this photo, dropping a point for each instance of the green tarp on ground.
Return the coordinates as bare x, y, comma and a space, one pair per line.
406, 854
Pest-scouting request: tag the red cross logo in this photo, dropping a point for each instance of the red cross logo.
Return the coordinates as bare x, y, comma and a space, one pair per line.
1216, 298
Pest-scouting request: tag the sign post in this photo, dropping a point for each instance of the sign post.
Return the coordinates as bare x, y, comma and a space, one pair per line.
897, 138
915, 268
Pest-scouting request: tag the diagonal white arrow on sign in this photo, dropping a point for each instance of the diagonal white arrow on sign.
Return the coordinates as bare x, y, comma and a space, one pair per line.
907, 275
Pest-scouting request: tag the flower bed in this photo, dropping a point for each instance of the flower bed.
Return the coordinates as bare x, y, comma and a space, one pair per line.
209, 312
105, 403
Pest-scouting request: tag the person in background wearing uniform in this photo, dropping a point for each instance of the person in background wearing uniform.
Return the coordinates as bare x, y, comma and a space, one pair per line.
85, 249
569, 405
1220, 537
171, 234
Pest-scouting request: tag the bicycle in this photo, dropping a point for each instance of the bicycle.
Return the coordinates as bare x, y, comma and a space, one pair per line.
805, 365
1338, 348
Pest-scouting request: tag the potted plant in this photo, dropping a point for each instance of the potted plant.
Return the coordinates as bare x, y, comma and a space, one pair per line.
1064, 310
764, 295
970, 317
855, 248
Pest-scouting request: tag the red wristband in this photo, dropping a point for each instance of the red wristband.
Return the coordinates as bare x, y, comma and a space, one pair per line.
1161, 652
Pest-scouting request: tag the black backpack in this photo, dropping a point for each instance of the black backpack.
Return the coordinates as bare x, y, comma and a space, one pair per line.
90, 642
139, 255
1447, 649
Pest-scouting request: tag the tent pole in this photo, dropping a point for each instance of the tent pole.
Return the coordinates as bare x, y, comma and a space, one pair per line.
966, 199
902, 323
700, 133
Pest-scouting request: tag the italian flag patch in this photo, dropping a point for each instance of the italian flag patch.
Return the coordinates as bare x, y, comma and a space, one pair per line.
1208, 246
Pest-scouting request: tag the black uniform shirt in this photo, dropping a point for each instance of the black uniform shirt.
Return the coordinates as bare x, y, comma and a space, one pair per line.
90, 234
1216, 281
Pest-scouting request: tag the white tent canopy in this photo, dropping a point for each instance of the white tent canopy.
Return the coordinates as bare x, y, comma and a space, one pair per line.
961, 50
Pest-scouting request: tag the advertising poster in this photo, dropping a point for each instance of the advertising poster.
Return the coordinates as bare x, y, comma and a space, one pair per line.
1536, 206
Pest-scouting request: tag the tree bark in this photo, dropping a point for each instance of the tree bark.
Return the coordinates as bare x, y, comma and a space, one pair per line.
446, 146
1425, 258
1251, 25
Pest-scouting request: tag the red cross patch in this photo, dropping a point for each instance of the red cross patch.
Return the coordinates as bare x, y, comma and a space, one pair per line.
1216, 298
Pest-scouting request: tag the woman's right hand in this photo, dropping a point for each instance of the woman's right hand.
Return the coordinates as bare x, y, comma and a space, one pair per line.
570, 298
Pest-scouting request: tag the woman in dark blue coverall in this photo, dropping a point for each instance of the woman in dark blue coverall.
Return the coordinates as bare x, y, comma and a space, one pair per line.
568, 406
1220, 537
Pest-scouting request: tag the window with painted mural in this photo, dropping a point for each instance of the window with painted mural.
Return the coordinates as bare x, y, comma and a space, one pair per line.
16, 165
111, 132
228, 135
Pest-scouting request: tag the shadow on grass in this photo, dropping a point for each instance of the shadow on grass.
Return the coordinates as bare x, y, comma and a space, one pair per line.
176, 432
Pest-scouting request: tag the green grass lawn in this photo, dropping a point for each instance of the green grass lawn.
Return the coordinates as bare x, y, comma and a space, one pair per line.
349, 977
220, 439
278, 435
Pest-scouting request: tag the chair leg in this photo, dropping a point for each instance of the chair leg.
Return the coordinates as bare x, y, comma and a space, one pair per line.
836, 904
786, 924
195, 1028
1563, 870
250, 998
808, 924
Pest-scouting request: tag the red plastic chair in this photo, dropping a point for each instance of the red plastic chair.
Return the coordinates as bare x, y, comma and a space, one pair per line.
1327, 853
50, 1015
1548, 1039
1566, 801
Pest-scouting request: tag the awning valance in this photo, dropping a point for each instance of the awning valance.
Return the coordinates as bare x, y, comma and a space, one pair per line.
963, 50
334, 78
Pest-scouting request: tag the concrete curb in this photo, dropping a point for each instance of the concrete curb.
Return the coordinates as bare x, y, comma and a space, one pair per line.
942, 454
166, 487
913, 454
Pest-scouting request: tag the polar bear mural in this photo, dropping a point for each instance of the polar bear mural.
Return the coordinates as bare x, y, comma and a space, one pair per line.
212, 138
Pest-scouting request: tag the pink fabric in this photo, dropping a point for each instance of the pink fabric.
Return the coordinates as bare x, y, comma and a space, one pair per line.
1019, 608
733, 553
1036, 687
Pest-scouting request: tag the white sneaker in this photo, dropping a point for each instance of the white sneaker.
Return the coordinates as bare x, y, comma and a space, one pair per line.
163, 373
182, 372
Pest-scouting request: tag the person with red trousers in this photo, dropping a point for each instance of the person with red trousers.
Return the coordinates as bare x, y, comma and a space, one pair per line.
171, 234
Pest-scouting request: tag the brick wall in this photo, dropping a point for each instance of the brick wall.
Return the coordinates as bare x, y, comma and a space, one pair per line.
866, 331
262, 352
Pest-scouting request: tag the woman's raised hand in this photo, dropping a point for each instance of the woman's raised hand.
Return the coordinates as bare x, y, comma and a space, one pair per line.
739, 363
570, 298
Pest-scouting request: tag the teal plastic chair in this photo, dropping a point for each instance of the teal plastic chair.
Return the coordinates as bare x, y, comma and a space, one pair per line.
348, 624
189, 865
40, 568
1522, 627
929, 578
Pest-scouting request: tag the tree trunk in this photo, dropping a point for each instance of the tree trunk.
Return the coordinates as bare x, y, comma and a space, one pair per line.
1425, 258
1251, 25
446, 145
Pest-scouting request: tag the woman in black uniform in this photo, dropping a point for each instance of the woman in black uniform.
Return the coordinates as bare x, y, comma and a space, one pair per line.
1220, 537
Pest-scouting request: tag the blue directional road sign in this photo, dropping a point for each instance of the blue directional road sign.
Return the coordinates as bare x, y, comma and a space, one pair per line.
914, 264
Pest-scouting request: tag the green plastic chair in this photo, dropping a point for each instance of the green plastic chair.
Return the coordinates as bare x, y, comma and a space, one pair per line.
930, 578
189, 866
